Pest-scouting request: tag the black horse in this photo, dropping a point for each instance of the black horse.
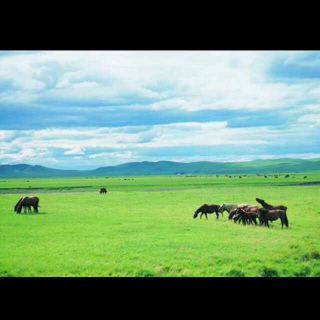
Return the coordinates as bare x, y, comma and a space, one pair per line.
103, 190
25, 207
27, 202
207, 208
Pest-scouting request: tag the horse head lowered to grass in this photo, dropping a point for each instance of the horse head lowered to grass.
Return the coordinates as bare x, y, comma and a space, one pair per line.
230, 208
207, 208
27, 202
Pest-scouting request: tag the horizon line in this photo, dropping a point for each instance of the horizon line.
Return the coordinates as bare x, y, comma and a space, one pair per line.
35, 165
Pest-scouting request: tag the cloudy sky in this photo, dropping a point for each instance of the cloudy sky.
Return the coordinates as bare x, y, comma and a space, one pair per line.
83, 110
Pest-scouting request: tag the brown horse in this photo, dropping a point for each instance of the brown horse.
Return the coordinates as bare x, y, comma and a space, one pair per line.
103, 190
207, 208
272, 215
234, 211
27, 202
247, 215
25, 207
271, 207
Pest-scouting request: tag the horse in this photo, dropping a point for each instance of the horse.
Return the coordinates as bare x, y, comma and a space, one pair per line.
248, 215
25, 207
229, 207
27, 202
271, 207
103, 190
272, 215
207, 208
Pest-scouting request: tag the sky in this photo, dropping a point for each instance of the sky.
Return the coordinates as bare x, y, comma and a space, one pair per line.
89, 109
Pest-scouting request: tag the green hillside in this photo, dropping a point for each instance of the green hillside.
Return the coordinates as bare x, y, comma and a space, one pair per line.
169, 168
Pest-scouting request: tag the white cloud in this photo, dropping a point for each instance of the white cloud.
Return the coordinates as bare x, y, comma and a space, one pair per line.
120, 155
313, 119
184, 80
76, 150
177, 82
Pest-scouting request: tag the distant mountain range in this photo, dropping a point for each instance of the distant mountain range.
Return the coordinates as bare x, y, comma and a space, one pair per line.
168, 168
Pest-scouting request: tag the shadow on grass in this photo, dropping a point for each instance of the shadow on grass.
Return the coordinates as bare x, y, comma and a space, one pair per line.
31, 213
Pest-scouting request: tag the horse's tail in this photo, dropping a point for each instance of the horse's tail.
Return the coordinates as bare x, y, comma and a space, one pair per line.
286, 221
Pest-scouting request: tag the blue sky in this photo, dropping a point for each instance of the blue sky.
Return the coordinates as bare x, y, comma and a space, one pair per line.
87, 109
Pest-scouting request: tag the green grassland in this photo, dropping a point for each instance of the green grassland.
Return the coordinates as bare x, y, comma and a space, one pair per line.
144, 226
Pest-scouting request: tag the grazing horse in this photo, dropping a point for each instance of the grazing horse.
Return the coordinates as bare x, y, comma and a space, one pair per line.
27, 202
207, 208
271, 207
272, 215
229, 207
103, 190
248, 215
25, 207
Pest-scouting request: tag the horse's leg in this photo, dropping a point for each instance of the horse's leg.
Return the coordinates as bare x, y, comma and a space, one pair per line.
217, 214
206, 216
201, 215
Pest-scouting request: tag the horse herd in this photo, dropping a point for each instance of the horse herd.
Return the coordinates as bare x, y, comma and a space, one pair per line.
247, 213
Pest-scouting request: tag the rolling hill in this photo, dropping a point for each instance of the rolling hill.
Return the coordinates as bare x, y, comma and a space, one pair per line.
169, 168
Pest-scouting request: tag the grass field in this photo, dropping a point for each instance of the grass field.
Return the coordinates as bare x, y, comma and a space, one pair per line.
144, 226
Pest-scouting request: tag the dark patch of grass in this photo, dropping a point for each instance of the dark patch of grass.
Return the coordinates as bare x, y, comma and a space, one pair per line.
315, 255
145, 273
303, 273
269, 272
162, 270
235, 273
305, 257
6, 274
